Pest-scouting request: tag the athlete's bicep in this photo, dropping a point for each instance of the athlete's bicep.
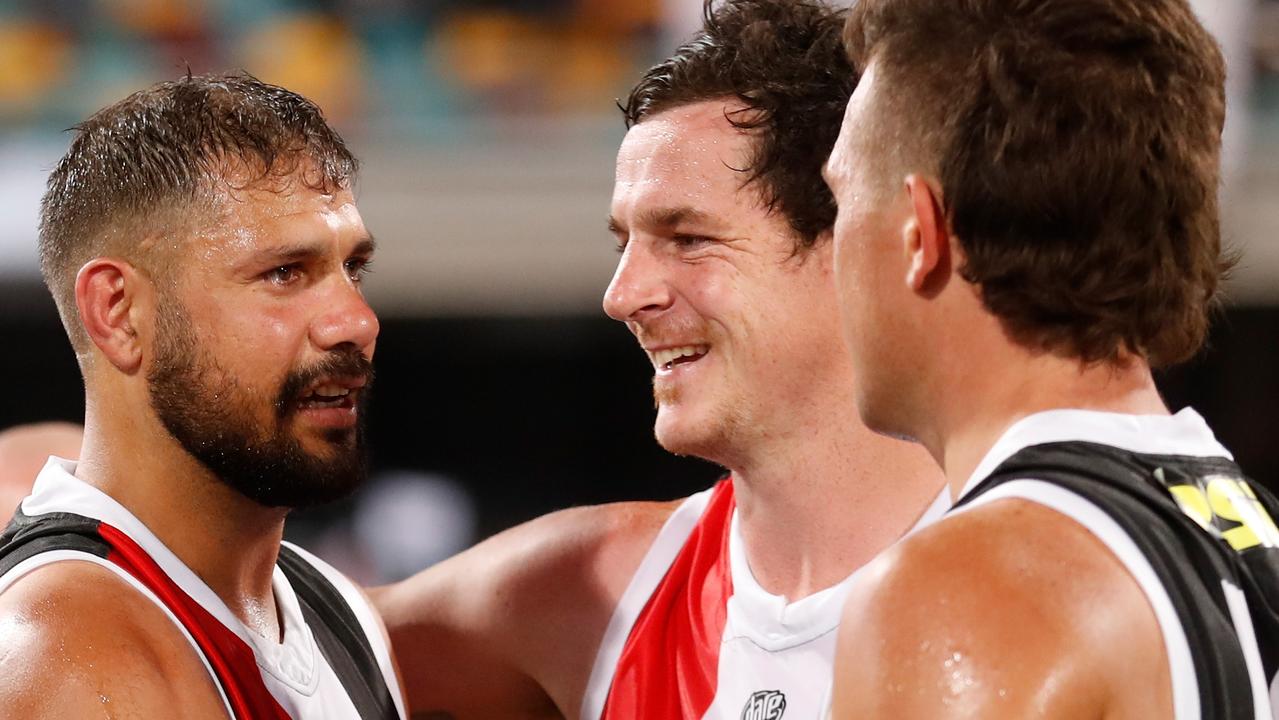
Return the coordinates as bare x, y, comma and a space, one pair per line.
77, 641
449, 627
1007, 611
510, 627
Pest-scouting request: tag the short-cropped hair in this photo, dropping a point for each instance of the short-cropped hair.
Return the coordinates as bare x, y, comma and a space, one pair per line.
150, 164
1077, 145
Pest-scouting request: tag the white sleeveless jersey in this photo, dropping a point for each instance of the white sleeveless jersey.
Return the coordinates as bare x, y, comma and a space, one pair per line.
295, 672
696, 636
1184, 434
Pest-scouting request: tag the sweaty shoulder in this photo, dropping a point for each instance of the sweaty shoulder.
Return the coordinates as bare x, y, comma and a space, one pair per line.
510, 627
78, 641
1008, 610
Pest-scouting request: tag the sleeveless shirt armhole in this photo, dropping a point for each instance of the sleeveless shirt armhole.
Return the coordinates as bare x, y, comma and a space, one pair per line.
52, 556
666, 546
1081, 510
368, 622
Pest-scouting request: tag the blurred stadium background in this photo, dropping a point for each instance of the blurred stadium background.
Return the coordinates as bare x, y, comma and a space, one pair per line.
487, 131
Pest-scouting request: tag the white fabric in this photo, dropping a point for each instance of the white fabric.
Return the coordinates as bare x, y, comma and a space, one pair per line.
768, 644
369, 622
294, 671
1184, 433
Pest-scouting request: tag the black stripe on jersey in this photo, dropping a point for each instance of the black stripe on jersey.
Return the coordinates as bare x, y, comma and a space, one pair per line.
27, 536
1133, 489
341, 638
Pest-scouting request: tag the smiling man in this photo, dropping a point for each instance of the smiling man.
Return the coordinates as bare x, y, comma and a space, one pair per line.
724, 604
205, 252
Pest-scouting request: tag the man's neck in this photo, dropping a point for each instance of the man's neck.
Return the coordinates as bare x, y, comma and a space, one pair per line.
820, 504
977, 413
227, 540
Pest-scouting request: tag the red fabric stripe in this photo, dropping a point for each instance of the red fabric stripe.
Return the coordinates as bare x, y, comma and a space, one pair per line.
670, 664
232, 660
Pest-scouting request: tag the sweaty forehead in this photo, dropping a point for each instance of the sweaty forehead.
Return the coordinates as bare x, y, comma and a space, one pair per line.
283, 206
693, 139
254, 217
686, 154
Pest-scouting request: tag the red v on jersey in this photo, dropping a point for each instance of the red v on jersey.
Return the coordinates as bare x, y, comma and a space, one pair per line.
669, 666
232, 660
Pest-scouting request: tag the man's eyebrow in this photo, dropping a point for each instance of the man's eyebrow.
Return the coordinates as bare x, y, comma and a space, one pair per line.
365, 246
288, 253
671, 217
668, 218
302, 250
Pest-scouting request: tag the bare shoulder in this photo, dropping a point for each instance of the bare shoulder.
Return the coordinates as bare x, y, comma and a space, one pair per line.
591, 549
516, 620
78, 641
1008, 610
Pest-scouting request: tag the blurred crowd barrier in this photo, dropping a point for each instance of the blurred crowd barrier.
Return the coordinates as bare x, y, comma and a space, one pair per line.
394, 65
487, 127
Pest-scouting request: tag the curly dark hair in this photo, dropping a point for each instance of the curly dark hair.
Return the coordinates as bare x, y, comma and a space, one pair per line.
1077, 145
149, 164
784, 61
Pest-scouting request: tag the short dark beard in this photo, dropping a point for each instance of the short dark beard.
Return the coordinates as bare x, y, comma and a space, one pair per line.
206, 410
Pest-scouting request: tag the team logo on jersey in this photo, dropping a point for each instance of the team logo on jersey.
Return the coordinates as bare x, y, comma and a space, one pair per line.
765, 705
1224, 506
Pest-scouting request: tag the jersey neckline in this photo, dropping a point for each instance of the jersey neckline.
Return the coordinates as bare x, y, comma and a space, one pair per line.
294, 662
772, 621
1184, 433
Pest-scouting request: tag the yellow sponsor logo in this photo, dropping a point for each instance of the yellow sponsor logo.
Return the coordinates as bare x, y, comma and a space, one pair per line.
1227, 506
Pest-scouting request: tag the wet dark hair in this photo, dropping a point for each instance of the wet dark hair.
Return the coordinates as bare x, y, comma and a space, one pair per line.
150, 165
783, 60
1077, 144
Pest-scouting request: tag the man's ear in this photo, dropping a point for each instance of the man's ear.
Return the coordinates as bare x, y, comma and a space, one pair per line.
927, 238
110, 295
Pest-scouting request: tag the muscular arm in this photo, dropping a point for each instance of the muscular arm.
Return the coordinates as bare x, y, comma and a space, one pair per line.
1010, 610
76, 641
510, 628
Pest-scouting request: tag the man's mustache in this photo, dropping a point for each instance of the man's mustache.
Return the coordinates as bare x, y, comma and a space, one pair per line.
341, 362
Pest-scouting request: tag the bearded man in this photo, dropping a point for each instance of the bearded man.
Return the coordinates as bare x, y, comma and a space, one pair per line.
203, 246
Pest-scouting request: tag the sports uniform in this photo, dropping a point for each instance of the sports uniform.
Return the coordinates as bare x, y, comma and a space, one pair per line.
333, 662
695, 636
1172, 506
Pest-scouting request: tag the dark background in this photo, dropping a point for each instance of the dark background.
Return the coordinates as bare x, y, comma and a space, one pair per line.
488, 132
537, 414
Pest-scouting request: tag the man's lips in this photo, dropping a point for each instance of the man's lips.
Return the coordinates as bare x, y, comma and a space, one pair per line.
332, 393
667, 356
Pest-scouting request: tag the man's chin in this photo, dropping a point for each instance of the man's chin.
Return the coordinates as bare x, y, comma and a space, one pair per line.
303, 488
679, 433
301, 473
329, 444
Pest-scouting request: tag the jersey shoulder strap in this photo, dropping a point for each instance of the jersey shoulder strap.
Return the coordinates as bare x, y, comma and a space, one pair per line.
340, 636
26, 536
669, 665
1198, 521
230, 660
